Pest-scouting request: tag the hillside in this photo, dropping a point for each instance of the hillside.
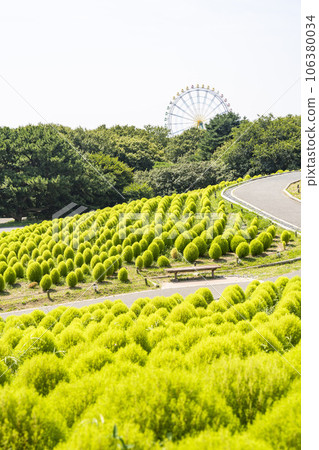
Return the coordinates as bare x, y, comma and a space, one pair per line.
65, 256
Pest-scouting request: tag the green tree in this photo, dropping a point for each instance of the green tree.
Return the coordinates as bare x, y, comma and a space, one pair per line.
263, 146
185, 146
182, 177
138, 153
41, 170
135, 191
218, 130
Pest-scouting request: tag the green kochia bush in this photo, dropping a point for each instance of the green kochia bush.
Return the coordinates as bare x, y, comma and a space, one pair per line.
9, 276
201, 245
197, 300
242, 250
139, 262
43, 372
19, 270
236, 240
136, 249
182, 241
272, 230
123, 275
34, 272
128, 253
256, 247
163, 261
69, 315
154, 249
147, 258
206, 293
109, 267
79, 274
62, 269
99, 272
223, 243
285, 236
55, 276
35, 341
191, 253
2, 283
79, 260
3, 267
266, 239
182, 313
215, 251
46, 282
71, 279
26, 422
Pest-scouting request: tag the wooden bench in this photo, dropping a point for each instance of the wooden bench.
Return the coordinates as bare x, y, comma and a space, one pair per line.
177, 270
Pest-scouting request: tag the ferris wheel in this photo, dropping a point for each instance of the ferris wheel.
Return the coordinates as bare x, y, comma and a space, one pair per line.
194, 107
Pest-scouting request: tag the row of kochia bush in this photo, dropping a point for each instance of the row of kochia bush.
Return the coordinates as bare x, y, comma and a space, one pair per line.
71, 374
97, 243
243, 311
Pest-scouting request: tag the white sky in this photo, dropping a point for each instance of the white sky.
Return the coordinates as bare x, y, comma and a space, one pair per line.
85, 63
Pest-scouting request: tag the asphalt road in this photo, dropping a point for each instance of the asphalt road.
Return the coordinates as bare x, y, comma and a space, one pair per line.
266, 196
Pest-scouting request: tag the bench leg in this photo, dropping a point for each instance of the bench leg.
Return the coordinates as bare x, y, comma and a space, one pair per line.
175, 276
212, 274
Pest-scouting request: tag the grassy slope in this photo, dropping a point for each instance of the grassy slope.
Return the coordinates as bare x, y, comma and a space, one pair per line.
21, 296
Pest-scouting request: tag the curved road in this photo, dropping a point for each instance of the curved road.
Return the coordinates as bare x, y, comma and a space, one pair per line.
266, 197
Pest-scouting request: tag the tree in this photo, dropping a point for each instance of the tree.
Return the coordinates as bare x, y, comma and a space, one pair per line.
138, 153
135, 191
137, 148
181, 177
218, 130
41, 171
263, 146
157, 135
117, 176
184, 147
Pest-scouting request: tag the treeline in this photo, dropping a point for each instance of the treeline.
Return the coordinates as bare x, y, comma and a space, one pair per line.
45, 167
219, 153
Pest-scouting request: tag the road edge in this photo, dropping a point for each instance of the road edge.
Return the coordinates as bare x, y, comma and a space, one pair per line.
233, 199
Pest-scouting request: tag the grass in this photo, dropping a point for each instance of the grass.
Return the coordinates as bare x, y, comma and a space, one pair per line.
295, 189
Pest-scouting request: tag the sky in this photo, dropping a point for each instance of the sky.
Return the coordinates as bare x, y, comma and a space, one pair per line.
87, 63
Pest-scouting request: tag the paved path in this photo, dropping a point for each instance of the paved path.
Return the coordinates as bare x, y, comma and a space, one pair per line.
217, 285
9, 229
9, 221
266, 197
